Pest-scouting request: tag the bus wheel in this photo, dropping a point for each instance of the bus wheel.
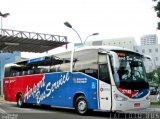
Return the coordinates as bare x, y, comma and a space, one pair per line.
19, 100
81, 105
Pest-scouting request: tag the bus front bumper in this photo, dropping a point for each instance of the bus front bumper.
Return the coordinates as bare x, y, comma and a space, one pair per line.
130, 105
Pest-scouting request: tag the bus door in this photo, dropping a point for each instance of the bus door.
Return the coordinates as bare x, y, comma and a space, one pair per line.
104, 84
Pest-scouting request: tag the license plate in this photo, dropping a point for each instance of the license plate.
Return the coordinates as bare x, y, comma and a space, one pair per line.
136, 104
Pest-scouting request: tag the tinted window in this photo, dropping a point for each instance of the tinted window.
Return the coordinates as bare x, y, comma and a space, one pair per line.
54, 63
7, 72
103, 68
86, 61
63, 62
131, 73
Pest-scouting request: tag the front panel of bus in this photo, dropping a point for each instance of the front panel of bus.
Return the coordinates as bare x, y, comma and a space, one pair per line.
130, 89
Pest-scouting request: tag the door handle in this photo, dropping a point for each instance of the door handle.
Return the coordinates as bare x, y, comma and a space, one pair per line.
105, 98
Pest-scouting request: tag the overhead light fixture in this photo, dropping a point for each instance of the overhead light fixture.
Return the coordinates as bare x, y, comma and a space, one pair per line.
70, 26
11, 44
4, 15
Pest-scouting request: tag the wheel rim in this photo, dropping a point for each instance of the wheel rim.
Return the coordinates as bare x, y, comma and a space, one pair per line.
19, 101
82, 106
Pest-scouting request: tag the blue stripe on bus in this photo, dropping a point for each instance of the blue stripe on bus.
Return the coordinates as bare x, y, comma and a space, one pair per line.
141, 94
35, 60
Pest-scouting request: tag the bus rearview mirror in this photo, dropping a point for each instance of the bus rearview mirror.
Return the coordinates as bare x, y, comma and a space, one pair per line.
150, 61
115, 59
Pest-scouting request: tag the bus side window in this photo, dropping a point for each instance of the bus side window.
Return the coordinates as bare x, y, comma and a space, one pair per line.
86, 62
24, 72
13, 74
45, 70
30, 71
18, 73
36, 71
104, 73
63, 62
8, 72
52, 69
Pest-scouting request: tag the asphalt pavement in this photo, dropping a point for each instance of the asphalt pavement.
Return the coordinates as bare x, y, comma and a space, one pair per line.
152, 97
151, 111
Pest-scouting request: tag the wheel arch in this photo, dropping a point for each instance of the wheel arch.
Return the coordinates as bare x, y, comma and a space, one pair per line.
18, 93
76, 96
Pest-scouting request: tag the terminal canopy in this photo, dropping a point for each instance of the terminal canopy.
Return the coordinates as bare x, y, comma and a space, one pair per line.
13, 40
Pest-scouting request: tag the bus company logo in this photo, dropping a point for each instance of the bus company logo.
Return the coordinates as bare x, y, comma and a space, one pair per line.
138, 95
74, 80
12, 81
6, 81
42, 89
79, 80
101, 89
104, 89
9, 81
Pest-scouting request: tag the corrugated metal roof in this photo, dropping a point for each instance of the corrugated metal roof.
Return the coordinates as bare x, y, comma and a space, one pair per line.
13, 40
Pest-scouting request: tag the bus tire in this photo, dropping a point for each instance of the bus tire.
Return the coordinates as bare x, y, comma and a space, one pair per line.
81, 105
20, 102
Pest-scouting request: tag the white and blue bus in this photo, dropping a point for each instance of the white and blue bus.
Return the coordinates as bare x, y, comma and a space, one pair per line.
88, 78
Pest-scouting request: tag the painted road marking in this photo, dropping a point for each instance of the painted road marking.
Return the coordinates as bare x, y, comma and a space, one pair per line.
15, 109
3, 111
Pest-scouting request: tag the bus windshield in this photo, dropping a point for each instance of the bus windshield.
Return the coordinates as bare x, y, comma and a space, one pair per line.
131, 72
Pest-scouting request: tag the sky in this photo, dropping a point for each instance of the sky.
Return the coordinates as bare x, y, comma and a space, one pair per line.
110, 18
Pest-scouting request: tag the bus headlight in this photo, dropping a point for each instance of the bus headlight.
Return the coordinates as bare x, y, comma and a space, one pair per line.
120, 98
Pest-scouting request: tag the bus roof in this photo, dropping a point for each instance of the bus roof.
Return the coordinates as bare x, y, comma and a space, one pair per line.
107, 48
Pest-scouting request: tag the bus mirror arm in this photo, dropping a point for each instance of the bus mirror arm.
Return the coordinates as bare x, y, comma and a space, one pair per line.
114, 59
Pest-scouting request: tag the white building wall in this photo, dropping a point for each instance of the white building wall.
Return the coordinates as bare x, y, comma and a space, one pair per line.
151, 50
150, 39
128, 42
